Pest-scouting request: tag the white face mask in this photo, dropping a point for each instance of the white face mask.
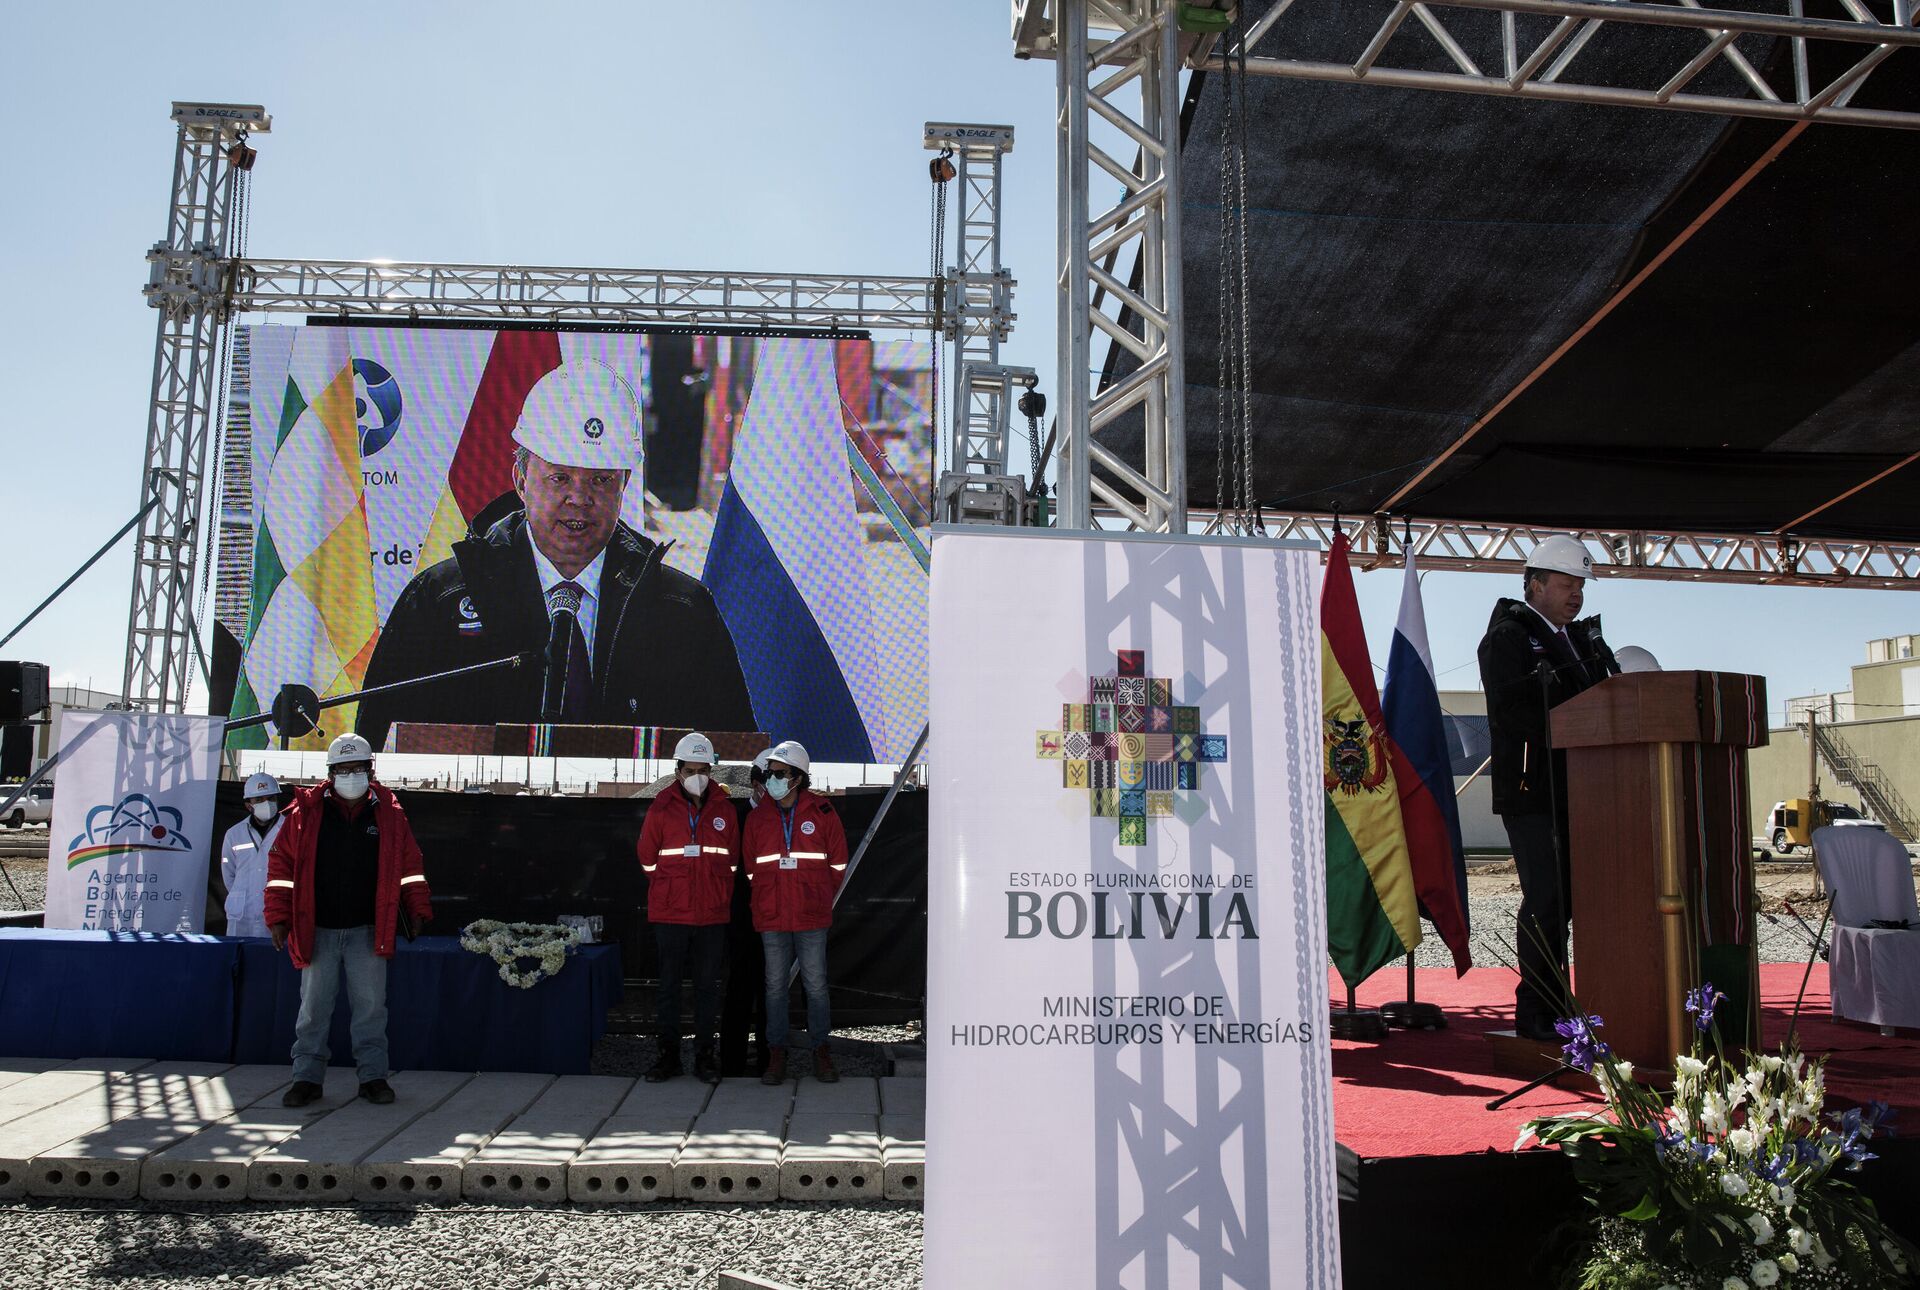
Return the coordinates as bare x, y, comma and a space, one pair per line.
694, 784
778, 786
352, 787
263, 812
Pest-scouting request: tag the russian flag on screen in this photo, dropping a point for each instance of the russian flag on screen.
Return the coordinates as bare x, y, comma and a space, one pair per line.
787, 566
1411, 707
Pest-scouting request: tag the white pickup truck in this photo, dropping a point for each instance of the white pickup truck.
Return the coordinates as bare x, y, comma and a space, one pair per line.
35, 808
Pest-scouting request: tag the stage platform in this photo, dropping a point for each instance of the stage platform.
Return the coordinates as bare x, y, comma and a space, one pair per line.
201, 1131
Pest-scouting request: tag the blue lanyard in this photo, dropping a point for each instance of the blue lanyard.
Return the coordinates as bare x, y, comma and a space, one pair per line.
786, 824
693, 822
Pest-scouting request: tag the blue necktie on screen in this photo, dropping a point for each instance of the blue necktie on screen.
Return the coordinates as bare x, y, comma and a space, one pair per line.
569, 682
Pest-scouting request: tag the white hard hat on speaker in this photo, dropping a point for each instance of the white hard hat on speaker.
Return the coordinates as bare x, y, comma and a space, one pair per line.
260, 784
581, 414
1562, 554
790, 752
695, 747
349, 747
1636, 658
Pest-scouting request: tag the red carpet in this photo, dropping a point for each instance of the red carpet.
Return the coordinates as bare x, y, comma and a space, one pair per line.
1423, 1093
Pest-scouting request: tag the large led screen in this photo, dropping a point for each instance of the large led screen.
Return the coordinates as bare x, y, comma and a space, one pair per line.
734, 527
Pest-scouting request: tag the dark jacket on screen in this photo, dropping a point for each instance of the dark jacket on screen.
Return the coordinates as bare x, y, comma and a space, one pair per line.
662, 656
1517, 642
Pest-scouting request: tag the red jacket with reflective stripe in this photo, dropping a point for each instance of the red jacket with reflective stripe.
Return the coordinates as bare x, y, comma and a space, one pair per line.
290, 870
695, 890
799, 899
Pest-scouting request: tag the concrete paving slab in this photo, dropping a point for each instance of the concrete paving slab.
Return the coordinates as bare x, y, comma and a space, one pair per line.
760, 1103
96, 1101
424, 1160
903, 1154
731, 1156
317, 1162
15, 1069
527, 1160
668, 1098
831, 1155
40, 1091
903, 1095
212, 1164
630, 1159
854, 1095
106, 1162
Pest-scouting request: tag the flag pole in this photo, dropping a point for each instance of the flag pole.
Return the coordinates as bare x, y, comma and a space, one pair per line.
1355, 1022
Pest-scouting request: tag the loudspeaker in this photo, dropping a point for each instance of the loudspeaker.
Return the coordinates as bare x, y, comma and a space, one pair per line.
16, 752
23, 690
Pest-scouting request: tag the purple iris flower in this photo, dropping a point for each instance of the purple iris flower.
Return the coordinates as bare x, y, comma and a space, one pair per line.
1775, 1169
1583, 1047
1701, 1004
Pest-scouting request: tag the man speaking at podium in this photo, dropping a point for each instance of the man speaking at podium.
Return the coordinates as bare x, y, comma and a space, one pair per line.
619, 638
1535, 656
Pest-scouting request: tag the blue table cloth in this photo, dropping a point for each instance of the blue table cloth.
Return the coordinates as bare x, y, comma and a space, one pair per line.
211, 998
117, 994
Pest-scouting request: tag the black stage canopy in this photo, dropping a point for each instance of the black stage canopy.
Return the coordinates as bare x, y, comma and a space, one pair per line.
1433, 272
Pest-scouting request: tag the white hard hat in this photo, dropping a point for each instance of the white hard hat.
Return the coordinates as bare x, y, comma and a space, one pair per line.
792, 754
761, 759
694, 747
1562, 554
1636, 658
581, 414
349, 747
260, 784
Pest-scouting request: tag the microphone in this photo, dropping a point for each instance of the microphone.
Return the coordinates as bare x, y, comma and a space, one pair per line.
563, 608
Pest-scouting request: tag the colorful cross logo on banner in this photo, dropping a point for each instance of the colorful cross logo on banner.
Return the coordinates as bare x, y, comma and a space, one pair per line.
1130, 746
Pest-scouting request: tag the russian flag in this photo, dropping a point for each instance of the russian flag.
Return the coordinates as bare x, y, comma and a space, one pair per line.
1423, 771
788, 566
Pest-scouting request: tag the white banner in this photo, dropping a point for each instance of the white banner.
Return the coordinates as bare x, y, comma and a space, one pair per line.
132, 822
1128, 1076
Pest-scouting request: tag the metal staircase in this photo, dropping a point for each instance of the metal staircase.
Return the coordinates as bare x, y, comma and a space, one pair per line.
1877, 792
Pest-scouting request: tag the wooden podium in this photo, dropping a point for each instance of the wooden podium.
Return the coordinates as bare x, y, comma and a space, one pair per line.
1660, 842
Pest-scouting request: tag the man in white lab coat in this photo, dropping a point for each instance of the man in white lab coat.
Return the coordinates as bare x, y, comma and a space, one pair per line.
243, 856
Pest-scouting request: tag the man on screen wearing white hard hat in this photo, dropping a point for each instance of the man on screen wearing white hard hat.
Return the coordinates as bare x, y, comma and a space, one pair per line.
689, 849
341, 878
243, 855
619, 638
1538, 653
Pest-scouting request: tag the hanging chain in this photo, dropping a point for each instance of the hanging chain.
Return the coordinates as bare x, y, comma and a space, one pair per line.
940, 170
1233, 419
1250, 519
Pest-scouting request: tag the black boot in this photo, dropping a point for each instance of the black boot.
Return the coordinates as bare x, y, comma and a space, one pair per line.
705, 1068
667, 1064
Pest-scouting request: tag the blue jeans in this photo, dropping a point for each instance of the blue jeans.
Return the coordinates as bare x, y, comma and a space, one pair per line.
337, 949
781, 949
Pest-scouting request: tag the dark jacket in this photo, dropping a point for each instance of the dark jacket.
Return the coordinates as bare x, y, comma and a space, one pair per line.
662, 656
1518, 640
291, 864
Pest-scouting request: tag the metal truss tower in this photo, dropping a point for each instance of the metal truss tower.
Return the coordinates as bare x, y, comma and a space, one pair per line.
188, 283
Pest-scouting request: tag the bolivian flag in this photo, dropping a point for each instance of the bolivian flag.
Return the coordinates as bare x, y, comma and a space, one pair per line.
1373, 916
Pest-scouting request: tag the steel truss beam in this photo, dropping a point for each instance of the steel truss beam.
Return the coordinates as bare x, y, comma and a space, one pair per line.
500, 293
1544, 70
1381, 541
186, 284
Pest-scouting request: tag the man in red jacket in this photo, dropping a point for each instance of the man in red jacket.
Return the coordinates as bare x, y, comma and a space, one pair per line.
796, 858
689, 848
340, 873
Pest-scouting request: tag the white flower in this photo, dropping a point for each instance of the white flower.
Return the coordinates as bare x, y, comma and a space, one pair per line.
1689, 1066
1782, 1194
1788, 1262
1821, 1259
1770, 1063
1894, 1257
1765, 1273
1742, 1141
1733, 1184
1733, 1283
1713, 1113
1526, 1132
1800, 1240
1762, 1229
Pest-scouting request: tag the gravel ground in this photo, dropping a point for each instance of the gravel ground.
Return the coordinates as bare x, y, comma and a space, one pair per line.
821, 1246
29, 877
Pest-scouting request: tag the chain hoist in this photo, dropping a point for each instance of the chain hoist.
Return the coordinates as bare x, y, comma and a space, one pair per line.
941, 171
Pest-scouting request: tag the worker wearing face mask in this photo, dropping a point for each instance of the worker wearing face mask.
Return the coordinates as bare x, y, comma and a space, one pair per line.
689, 848
796, 857
339, 877
243, 856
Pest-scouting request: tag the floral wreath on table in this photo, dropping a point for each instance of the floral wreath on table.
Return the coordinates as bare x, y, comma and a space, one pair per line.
1727, 1182
510, 944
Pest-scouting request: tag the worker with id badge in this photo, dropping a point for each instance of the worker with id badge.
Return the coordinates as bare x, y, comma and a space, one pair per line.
796, 859
689, 848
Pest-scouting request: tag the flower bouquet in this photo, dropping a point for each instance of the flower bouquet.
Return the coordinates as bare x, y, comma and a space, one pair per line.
509, 944
1728, 1183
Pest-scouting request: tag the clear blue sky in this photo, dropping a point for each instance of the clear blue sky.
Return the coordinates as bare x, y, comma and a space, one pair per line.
781, 137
